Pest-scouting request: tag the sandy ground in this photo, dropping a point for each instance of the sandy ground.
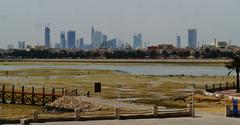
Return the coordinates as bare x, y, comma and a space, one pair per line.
114, 103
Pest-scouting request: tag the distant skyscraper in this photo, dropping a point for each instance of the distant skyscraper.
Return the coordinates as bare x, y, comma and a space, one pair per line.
81, 43
97, 38
21, 45
71, 38
93, 36
47, 37
112, 44
78, 43
105, 42
178, 41
104, 37
137, 41
192, 38
62, 40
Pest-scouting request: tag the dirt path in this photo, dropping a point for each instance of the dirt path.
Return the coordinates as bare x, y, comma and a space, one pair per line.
114, 103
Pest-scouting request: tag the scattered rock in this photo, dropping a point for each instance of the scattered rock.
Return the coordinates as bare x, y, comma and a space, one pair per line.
69, 103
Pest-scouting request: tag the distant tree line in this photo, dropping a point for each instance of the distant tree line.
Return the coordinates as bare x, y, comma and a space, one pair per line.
116, 54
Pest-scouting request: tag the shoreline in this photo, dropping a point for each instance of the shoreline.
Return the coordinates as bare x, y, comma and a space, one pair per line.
183, 61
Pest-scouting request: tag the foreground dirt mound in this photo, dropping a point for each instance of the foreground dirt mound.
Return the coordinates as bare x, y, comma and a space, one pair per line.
69, 103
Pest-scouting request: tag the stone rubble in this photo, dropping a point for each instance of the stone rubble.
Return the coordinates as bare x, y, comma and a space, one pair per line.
69, 103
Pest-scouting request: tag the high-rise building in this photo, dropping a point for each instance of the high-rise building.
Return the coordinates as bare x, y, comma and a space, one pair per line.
47, 37
93, 37
178, 42
112, 44
105, 42
97, 38
71, 38
81, 46
104, 37
192, 38
137, 41
62, 40
21, 45
80, 43
93, 33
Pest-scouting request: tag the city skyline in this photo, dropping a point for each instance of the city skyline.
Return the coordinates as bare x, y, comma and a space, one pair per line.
157, 20
100, 40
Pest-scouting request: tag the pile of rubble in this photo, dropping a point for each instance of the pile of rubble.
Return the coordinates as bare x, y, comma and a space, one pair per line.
69, 103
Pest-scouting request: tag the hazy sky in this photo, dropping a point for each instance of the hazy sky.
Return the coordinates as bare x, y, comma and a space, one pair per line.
157, 20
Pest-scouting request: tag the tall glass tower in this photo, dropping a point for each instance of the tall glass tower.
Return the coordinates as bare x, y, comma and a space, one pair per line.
192, 38
47, 37
93, 37
178, 41
137, 41
71, 38
63, 40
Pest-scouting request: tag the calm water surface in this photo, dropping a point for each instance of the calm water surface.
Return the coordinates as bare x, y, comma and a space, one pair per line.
138, 69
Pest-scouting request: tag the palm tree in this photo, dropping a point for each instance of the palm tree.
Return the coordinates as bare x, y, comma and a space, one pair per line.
234, 65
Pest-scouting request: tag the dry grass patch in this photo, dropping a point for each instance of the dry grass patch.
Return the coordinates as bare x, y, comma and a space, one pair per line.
9, 111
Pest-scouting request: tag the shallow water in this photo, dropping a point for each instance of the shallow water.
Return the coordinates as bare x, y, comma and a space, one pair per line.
146, 69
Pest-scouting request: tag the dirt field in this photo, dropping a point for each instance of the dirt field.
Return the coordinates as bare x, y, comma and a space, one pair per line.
169, 91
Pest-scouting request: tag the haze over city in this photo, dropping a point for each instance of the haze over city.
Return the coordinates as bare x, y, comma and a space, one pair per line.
158, 20
104, 62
